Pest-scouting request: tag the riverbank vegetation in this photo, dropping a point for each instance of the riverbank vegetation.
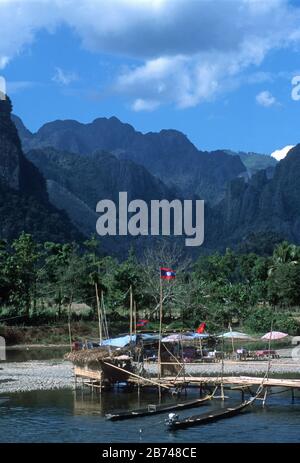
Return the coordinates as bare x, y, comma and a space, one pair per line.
46, 284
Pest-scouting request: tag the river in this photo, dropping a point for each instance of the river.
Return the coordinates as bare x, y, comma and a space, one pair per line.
66, 416
69, 416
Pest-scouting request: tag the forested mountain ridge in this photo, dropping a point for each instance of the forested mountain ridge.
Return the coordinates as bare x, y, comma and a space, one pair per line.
79, 182
265, 204
84, 163
24, 203
169, 155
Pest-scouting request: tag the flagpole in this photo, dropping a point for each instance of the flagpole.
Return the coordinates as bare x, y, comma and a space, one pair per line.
231, 338
160, 325
131, 311
134, 316
99, 313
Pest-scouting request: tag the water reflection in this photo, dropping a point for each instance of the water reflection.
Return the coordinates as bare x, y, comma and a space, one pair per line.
86, 402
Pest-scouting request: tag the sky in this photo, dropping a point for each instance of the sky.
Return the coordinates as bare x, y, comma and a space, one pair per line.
220, 71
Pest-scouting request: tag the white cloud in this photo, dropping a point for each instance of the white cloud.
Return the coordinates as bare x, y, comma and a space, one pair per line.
266, 99
2, 88
64, 77
4, 60
20, 21
281, 153
189, 52
145, 105
181, 80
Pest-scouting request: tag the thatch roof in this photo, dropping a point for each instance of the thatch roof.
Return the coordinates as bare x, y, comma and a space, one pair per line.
94, 356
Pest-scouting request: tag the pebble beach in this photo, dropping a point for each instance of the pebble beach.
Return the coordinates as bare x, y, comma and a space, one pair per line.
35, 376
58, 374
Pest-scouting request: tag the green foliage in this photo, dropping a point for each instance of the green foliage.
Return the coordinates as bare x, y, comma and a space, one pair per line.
262, 319
284, 285
234, 284
53, 282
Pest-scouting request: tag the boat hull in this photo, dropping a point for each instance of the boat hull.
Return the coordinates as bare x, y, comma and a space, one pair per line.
206, 418
157, 410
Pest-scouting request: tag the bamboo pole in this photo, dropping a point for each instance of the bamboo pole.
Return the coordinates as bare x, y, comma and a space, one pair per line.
99, 313
269, 366
232, 342
130, 313
222, 372
160, 324
160, 331
69, 320
134, 316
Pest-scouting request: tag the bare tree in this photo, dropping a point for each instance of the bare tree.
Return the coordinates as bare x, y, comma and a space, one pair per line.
174, 291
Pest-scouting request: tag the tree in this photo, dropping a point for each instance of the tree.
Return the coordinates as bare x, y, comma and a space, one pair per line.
56, 261
4, 279
175, 292
22, 270
284, 285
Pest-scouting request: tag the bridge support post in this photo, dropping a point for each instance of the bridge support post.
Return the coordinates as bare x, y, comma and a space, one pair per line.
265, 396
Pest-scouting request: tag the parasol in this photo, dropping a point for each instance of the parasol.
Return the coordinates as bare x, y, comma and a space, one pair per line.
236, 335
176, 338
272, 335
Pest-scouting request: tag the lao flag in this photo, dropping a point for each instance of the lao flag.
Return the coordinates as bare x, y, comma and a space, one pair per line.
142, 323
167, 273
201, 328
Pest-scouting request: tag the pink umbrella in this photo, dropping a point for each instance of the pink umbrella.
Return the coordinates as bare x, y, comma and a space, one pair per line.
274, 335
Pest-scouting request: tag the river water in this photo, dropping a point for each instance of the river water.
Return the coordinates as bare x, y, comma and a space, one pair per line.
69, 416
63, 416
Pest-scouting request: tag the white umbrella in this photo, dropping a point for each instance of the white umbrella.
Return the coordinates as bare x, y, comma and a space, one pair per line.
199, 335
176, 338
236, 335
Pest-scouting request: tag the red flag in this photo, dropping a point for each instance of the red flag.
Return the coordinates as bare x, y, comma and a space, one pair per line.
201, 328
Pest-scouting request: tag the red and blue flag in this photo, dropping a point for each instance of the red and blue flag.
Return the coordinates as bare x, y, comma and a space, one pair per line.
167, 273
142, 323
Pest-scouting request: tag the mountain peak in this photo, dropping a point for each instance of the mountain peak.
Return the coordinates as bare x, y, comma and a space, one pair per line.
5, 106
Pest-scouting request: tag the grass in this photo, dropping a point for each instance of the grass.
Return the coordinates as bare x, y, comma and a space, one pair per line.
48, 334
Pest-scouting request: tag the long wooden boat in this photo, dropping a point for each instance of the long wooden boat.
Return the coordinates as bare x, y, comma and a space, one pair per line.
221, 413
156, 409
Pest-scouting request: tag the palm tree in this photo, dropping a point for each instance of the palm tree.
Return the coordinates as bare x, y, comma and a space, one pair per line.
285, 253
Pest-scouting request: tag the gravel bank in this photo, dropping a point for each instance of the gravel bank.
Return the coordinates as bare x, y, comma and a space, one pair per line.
278, 367
35, 375
52, 374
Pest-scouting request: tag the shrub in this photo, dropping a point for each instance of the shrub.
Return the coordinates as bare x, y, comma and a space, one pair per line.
261, 319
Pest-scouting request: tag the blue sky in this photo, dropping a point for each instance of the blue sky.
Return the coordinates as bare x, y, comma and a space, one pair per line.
219, 71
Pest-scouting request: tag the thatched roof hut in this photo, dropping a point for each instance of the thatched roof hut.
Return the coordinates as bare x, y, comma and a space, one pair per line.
93, 357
